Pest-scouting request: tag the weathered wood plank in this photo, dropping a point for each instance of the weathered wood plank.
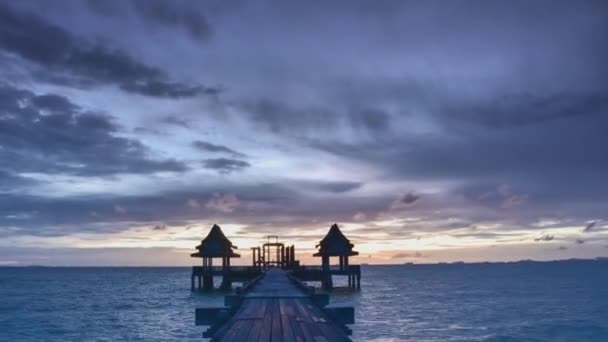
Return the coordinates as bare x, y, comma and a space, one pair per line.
288, 334
265, 334
277, 331
256, 329
276, 310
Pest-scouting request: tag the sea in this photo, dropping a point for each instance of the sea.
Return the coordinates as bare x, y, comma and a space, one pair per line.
523, 301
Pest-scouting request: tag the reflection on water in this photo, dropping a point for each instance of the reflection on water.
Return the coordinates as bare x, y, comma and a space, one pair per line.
565, 301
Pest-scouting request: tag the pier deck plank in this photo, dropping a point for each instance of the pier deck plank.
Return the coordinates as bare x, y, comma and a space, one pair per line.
276, 310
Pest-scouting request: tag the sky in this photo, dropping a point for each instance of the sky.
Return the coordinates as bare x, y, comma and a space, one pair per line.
430, 131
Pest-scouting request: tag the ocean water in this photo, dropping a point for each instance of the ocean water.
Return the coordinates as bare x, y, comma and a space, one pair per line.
557, 301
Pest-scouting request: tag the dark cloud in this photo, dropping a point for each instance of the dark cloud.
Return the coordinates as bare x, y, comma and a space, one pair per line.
371, 120
66, 59
589, 226
225, 165
488, 235
545, 238
265, 206
580, 241
12, 182
145, 130
163, 89
409, 198
158, 13
286, 118
510, 111
171, 14
562, 248
210, 147
160, 227
54, 103
49, 134
176, 121
404, 255
335, 187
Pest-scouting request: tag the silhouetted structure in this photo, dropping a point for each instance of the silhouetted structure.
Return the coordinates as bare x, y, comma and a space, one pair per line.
274, 303
276, 307
215, 245
274, 254
335, 244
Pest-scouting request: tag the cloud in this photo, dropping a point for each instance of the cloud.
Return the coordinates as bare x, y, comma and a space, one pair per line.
545, 238
562, 248
580, 241
10, 181
514, 200
409, 198
120, 209
225, 165
158, 14
290, 119
65, 59
226, 203
268, 206
337, 187
210, 147
171, 14
589, 226
161, 226
193, 203
359, 216
48, 133
404, 255
517, 110
175, 121
406, 200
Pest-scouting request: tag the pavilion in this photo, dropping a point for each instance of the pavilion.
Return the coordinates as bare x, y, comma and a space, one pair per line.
215, 245
335, 244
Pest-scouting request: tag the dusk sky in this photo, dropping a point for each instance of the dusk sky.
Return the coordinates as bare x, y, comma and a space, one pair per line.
428, 130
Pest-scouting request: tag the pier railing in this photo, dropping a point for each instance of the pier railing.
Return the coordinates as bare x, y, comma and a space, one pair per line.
318, 273
351, 268
205, 275
219, 269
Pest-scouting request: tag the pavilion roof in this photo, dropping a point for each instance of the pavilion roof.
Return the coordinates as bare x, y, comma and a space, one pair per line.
215, 245
335, 244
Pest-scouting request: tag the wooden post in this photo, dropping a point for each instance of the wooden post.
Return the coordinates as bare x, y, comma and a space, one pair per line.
327, 281
192, 282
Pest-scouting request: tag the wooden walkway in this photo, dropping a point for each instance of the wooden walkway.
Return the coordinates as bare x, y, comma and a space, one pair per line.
275, 309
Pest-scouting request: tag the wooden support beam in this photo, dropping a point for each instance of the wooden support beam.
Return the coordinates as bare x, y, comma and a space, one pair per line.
341, 314
320, 299
210, 316
232, 300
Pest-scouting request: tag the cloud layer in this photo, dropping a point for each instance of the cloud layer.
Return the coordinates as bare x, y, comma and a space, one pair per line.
421, 127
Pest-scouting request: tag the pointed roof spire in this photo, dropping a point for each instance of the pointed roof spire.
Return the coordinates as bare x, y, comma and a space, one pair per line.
215, 245
335, 244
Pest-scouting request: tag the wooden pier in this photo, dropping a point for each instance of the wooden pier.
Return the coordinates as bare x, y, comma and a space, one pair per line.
273, 254
276, 307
